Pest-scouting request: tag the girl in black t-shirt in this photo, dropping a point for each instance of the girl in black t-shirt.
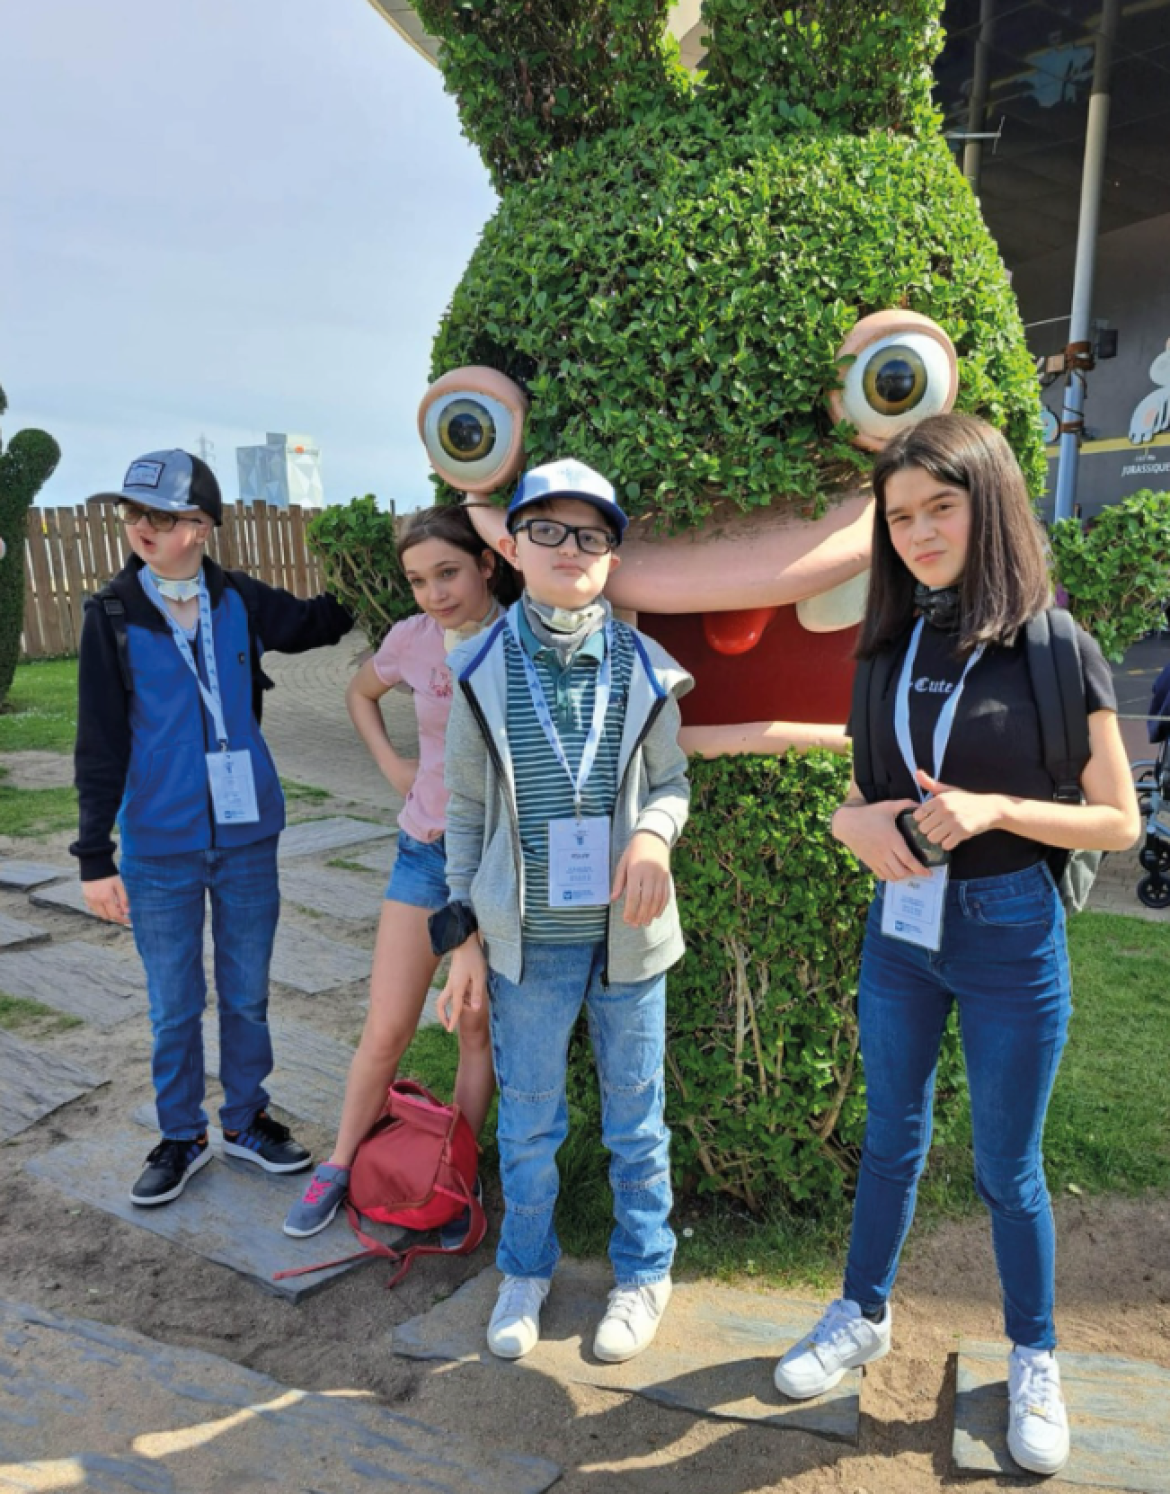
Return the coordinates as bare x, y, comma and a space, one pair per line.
958, 569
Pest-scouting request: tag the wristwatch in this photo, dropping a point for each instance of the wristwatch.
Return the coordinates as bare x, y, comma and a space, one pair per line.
451, 926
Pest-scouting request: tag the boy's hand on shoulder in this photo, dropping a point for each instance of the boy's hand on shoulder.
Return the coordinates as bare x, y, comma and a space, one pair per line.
107, 899
643, 876
466, 983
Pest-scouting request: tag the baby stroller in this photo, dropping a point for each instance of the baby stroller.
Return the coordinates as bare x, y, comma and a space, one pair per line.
1153, 790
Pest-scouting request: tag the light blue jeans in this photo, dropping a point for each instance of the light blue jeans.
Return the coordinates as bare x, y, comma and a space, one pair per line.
168, 897
531, 1026
1004, 963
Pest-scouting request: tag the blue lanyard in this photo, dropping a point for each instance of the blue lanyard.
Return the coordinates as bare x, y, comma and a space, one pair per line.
210, 692
544, 716
946, 717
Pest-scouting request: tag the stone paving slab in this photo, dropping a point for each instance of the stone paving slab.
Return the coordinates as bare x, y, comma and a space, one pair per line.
67, 895
379, 861
311, 962
230, 1213
713, 1355
316, 837
25, 874
1118, 1410
35, 1081
14, 931
86, 980
86, 1405
309, 1078
332, 893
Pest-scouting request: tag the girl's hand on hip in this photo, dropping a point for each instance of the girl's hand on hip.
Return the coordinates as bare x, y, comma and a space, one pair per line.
643, 875
869, 831
466, 983
107, 899
952, 815
400, 773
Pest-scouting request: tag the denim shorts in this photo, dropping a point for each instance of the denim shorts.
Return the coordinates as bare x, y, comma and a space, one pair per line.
419, 876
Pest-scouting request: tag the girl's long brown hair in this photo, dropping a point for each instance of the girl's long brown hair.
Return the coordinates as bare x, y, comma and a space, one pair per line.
1005, 577
450, 523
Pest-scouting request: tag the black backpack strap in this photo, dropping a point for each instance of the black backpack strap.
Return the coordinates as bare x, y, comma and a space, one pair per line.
260, 680
1054, 664
871, 683
859, 725
112, 605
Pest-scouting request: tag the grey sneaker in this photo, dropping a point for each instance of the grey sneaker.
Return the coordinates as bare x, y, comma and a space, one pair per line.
315, 1209
455, 1231
841, 1341
1037, 1420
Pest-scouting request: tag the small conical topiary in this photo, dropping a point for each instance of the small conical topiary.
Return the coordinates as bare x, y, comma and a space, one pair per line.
26, 466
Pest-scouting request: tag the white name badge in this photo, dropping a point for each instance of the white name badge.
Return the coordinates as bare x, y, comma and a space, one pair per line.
913, 908
233, 790
578, 863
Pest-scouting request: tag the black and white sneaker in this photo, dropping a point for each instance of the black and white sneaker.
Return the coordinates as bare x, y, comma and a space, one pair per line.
167, 1169
269, 1144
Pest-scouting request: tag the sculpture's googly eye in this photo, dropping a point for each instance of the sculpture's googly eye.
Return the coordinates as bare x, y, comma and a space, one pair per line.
902, 367
472, 424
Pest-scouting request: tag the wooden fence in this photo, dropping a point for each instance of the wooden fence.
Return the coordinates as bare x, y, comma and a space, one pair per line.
72, 552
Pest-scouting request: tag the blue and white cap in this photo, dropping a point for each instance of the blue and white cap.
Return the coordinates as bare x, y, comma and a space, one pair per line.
173, 481
567, 479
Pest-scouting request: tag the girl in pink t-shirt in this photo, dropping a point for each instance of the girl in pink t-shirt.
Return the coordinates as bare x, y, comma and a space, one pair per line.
455, 579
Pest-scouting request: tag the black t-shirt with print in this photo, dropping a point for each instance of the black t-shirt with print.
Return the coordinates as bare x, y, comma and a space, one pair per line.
995, 745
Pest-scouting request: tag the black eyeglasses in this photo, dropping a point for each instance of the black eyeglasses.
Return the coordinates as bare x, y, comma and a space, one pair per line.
161, 522
549, 533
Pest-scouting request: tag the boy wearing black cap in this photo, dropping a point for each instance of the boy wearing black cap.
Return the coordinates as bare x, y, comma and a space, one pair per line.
169, 746
568, 790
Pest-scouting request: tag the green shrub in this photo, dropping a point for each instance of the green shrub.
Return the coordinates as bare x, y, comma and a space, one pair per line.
670, 273
26, 466
765, 1083
356, 544
1118, 574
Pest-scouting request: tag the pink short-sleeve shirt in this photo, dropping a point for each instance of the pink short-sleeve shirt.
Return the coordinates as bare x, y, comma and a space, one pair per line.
412, 653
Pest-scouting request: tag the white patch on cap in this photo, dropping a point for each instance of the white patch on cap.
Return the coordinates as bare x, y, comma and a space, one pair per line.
144, 475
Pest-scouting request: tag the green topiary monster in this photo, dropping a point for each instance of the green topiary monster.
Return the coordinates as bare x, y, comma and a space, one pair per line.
725, 291
26, 466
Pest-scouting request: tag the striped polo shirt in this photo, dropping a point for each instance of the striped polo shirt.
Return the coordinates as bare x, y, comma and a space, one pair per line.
543, 790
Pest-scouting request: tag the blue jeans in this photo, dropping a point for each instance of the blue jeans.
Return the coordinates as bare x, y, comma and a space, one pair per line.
167, 900
1004, 961
419, 875
531, 1026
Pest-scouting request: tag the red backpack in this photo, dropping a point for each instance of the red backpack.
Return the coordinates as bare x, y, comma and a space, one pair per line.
416, 1168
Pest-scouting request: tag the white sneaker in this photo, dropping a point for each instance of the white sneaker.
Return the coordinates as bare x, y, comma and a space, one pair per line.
841, 1341
515, 1326
1037, 1421
631, 1320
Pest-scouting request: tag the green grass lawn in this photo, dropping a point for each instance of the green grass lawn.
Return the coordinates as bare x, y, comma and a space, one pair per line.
1108, 1126
41, 709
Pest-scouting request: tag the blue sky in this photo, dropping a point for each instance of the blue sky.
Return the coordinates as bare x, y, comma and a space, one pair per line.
223, 218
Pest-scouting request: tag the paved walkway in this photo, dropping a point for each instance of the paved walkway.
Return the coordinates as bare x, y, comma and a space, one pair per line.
311, 735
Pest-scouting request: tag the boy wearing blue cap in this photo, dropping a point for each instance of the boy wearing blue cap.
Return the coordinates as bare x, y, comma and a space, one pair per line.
568, 790
169, 745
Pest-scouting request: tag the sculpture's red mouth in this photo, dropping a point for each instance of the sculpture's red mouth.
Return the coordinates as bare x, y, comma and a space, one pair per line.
787, 674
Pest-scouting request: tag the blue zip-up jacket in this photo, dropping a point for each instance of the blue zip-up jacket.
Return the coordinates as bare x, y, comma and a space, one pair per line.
140, 755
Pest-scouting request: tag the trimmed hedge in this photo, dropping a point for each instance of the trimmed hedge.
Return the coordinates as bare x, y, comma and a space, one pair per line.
1117, 575
672, 268
26, 466
673, 297
357, 546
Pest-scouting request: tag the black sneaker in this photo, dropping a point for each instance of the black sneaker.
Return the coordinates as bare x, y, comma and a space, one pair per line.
167, 1169
269, 1144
